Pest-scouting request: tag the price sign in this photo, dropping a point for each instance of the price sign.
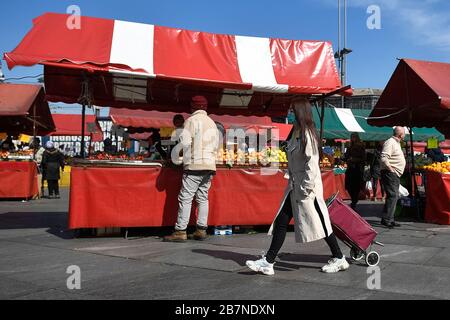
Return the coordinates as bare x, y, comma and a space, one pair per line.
432, 143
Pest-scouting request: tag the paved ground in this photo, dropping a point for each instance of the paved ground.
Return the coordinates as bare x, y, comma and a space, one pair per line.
36, 249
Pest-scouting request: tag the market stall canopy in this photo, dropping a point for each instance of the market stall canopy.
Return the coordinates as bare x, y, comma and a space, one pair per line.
139, 121
23, 109
444, 146
70, 125
422, 87
339, 123
159, 68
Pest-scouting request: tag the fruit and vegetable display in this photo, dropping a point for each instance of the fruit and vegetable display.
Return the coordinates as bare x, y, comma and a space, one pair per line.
326, 163
441, 167
17, 155
420, 161
268, 156
115, 157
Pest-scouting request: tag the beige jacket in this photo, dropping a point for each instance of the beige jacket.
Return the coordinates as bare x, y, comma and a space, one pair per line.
392, 156
305, 192
200, 141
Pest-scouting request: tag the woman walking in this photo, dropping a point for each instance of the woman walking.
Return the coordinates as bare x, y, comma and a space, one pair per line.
355, 158
303, 198
52, 162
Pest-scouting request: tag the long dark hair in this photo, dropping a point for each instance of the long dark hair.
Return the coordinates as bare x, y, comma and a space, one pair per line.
305, 122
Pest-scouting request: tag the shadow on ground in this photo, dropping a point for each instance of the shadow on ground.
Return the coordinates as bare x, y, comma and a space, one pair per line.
56, 222
284, 261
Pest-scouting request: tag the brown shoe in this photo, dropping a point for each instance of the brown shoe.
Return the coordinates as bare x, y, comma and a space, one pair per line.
199, 234
177, 236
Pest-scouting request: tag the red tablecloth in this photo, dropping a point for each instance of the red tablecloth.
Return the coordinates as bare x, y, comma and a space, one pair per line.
147, 196
18, 179
438, 198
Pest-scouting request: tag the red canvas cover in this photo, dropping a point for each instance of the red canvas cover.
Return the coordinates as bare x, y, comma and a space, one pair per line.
423, 86
70, 125
20, 106
161, 68
141, 120
18, 179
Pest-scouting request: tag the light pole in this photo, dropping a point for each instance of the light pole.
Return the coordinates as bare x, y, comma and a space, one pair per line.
340, 54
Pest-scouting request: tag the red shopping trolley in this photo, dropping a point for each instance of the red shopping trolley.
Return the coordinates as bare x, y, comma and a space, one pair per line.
353, 230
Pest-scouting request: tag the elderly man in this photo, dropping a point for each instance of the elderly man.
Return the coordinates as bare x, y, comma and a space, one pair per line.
392, 166
199, 144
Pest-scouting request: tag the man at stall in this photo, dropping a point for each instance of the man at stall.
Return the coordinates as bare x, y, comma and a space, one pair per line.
199, 145
392, 166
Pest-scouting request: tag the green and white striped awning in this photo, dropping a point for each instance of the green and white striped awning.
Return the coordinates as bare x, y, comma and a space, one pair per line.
339, 123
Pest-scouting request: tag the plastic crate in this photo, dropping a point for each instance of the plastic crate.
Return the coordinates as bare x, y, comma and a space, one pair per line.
223, 230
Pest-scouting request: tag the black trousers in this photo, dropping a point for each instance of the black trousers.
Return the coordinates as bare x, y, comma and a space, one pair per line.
353, 182
279, 234
53, 187
391, 183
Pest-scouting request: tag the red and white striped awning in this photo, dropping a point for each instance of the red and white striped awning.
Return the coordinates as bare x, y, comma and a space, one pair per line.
160, 68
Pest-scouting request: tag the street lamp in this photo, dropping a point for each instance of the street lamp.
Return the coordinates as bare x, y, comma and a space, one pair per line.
340, 55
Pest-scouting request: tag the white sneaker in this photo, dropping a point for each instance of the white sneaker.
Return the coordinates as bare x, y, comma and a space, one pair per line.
335, 265
261, 265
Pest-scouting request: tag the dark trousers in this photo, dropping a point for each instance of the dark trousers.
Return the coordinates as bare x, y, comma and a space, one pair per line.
375, 186
353, 183
391, 184
279, 234
53, 187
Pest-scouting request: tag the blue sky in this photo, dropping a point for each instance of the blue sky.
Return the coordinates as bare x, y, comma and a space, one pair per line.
417, 29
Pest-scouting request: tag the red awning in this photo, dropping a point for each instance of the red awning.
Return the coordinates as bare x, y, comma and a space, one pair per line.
283, 130
159, 68
141, 121
420, 86
70, 125
22, 108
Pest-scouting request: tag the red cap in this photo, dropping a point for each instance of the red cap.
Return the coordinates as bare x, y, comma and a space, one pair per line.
199, 102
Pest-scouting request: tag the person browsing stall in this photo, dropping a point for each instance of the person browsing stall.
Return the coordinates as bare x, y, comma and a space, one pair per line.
199, 143
52, 163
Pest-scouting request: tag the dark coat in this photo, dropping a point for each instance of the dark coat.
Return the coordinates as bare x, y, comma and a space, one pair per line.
52, 162
375, 166
355, 156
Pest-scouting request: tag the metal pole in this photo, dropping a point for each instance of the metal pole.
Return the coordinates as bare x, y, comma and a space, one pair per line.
83, 116
339, 37
322, 117
412, 169
344, 61
34, 131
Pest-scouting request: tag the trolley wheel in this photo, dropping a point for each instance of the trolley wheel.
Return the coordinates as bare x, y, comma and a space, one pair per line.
372, 259
356, 254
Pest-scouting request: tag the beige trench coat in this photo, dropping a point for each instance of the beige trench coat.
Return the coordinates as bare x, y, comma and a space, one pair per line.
305, 191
